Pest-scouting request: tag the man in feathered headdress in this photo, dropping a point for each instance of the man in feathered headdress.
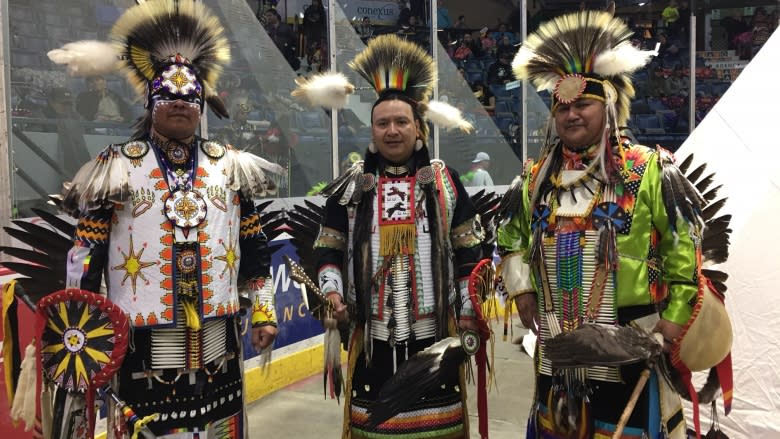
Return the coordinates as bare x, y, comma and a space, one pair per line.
604, 231
168, 219
399, 237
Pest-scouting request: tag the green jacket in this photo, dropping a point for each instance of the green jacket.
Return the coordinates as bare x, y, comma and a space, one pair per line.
653, 259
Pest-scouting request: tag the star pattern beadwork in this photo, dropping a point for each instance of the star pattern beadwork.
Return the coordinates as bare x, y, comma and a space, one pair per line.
230, 258
179, 80
133, 265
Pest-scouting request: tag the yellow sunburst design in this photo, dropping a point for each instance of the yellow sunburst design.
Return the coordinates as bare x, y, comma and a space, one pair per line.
230, 258
133, 265
73, 348
179, 79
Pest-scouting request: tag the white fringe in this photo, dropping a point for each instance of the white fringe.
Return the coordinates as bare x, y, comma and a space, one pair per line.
23, 407
329, 90
87, 57
447, 116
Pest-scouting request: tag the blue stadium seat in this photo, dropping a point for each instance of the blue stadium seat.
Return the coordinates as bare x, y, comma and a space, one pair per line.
649, 123
655, 104
503, 120
473, 77
499, 90
504, 105
312, 120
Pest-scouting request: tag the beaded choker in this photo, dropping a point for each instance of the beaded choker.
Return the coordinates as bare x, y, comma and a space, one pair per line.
396, 170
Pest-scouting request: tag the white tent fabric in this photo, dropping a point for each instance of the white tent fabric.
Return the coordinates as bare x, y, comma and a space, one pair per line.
739, 140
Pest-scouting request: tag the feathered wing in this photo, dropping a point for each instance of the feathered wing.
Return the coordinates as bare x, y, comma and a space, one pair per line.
421, 373
347, 187
486, 204
246, 172
511, 201
302, 223
44, 267
694, 197
601, 345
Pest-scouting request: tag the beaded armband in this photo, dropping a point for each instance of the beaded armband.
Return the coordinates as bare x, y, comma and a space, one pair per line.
467, 234
263, 312
467, 308
330, 280
331, 238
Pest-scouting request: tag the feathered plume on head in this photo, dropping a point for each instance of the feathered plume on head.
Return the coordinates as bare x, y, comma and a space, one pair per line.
583, 54
394, 65
176, 46
153, 36
395, 68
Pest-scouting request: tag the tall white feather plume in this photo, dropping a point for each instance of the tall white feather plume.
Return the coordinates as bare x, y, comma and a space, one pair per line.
625, 58
87, 57
324, 90
447, 116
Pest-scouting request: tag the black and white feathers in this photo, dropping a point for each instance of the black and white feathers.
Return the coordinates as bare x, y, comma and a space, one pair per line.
588, 42
44, 265
421, 373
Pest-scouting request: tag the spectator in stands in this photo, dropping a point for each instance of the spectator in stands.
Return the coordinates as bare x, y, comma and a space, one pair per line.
474, 45
658, 83
504, 47
763, 25
684, 20
283, 36
478, 175
501, 32
463, 51
71, 148
500, 72
419, 9
442, 15
487, 42
100, 104
412, 31
735, 29
461, 23
670, 15
404, 13
679, 82
366, 30
314, 20
239, 133
485, 97
666, 48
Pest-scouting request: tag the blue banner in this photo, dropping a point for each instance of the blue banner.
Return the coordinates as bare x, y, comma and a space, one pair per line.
295, 322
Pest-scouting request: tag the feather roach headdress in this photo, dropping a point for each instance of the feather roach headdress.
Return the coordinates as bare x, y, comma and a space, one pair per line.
173, 47
584, 54
395, 68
